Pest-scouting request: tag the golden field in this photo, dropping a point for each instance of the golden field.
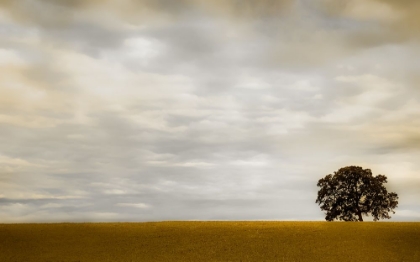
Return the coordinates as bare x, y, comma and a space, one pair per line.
210, 241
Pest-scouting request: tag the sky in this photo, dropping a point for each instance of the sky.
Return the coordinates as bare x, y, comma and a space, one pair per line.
150, 110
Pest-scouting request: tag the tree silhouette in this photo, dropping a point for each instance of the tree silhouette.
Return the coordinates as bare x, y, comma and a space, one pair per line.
352, 192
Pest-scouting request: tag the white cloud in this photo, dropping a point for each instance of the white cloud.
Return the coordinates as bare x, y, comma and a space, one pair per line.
135, 205
140, 50
407, 213
375, 89
252, 83
10, 58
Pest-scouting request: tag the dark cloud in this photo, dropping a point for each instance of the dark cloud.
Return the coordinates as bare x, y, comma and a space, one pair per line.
60, 13
386, 21
89, 38
42, 13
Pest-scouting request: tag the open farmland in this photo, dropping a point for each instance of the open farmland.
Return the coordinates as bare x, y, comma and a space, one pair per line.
210, 241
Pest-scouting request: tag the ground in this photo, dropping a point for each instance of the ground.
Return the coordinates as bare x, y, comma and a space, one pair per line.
210, 241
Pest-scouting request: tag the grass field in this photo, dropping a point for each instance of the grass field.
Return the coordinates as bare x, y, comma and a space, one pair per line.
210, 241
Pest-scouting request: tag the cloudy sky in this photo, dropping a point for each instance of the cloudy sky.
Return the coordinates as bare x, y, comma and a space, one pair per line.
145, 110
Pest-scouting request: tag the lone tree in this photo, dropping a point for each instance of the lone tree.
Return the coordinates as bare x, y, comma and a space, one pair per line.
352, 192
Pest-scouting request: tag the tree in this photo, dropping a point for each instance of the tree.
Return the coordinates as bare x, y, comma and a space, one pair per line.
352, 192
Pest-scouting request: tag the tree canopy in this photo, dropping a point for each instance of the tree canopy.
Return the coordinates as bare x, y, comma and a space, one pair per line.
353, 192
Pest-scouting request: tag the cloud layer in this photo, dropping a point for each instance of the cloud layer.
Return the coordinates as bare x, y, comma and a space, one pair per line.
161, 110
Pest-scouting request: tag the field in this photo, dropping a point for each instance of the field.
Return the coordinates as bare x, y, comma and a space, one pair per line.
210, 241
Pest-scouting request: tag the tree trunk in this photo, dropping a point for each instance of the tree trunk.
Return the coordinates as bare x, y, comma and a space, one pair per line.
360, 216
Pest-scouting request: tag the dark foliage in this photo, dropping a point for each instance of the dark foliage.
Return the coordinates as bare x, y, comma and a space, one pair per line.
352, 192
